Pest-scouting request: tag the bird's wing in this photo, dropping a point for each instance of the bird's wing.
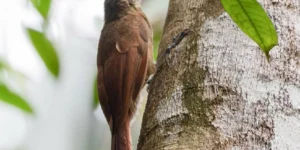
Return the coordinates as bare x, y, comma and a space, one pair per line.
123, 68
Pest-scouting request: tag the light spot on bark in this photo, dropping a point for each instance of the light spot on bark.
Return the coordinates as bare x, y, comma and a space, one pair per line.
287, 133
294, 93
171, 106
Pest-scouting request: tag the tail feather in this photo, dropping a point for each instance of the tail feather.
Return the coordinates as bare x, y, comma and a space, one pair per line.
121, 138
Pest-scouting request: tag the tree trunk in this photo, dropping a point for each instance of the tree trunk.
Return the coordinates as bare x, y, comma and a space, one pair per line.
217, 91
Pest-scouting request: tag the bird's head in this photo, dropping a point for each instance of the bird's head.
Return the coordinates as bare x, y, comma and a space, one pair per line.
113, 8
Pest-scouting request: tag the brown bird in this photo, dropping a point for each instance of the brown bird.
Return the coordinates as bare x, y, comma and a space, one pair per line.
124, 62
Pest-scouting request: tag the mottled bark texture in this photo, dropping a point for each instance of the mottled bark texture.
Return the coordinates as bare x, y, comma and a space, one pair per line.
217, 90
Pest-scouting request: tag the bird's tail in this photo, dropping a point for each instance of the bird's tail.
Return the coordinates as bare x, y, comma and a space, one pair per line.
121, 139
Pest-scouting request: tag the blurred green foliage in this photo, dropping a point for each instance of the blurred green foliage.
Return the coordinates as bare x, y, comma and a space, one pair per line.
156, 41
40, 41
6, 67
3, 65
96, 100
42, 7
9, 97
46, 51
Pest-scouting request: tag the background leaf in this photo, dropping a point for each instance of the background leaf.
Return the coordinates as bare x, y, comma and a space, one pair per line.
9, 97
46, 51
156, 41
96, 99
5, 66
2, 65
42, 7
253, 20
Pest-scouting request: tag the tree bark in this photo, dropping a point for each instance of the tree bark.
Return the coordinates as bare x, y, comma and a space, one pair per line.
216, 90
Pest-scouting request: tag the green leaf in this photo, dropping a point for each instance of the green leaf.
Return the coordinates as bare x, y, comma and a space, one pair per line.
5, 66
42, 7
46, 51
9, 97
2, 65
96, 99
253, 20
156, 41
